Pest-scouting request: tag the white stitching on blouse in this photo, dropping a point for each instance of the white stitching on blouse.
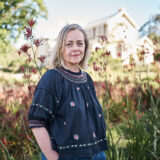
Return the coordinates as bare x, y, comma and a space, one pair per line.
82, 145
46, 109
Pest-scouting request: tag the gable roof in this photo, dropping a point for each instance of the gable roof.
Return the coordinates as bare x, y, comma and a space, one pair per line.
145, 39
120, 13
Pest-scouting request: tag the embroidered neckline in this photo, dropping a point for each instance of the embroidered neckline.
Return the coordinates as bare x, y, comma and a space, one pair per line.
77, 77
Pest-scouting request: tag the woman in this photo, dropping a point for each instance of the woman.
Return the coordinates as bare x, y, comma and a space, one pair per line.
65, 115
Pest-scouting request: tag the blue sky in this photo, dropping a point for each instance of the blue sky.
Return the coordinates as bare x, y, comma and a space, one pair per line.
83, 11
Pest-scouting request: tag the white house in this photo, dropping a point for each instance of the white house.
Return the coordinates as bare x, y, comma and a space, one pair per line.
122, 35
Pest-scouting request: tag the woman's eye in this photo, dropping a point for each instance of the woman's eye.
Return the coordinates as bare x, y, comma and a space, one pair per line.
80, 44
68, 44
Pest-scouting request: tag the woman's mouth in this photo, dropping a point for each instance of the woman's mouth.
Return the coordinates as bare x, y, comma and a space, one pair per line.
76, 55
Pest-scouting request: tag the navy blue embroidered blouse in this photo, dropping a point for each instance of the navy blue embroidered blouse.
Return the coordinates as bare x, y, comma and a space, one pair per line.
65, 103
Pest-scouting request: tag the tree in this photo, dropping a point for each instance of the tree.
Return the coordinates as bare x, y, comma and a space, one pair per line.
152, 25
14, 14
151, 28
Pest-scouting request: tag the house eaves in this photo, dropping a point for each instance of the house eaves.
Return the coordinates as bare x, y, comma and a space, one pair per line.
145, 39
105, 20
99, 21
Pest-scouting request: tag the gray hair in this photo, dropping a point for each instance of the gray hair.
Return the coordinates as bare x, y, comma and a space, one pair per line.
56, 57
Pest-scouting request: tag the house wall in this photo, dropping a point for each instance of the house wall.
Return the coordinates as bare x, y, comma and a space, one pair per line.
120, 29
97, 31
149, 50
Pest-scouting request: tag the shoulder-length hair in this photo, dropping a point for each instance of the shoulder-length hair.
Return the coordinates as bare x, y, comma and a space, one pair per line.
56, 57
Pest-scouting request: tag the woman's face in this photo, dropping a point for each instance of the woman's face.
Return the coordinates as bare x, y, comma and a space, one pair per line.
74, 48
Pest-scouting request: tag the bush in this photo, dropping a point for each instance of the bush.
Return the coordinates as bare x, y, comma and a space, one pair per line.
157, 57
17, 142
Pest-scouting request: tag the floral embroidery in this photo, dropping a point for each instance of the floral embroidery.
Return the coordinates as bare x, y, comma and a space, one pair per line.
94, 135
78, 88
57, 100
72, 104
87, 104
100, 115
76, 136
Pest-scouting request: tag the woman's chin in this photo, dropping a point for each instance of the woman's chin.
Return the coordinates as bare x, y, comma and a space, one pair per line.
76, 61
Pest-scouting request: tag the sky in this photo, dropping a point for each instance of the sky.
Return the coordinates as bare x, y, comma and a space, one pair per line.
82, 12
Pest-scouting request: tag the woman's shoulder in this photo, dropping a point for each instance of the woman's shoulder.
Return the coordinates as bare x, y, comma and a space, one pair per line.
89, 78
52, 74
50, 79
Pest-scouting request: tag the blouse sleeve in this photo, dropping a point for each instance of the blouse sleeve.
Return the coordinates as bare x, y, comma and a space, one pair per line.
45, 101
90, 81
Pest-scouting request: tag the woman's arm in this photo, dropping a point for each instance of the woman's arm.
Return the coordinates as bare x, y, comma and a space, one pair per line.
44, 142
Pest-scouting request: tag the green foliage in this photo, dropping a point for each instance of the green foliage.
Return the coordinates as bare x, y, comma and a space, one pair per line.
138, 132
157, 57
5, 46
115, 112
13, 17
113, 153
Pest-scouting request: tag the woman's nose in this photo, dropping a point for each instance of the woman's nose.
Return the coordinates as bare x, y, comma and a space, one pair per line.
75, 47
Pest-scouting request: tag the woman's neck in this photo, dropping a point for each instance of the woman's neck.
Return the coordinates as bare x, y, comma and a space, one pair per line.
72, 68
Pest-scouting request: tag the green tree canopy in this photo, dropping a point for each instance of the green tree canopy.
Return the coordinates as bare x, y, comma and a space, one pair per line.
14, 15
